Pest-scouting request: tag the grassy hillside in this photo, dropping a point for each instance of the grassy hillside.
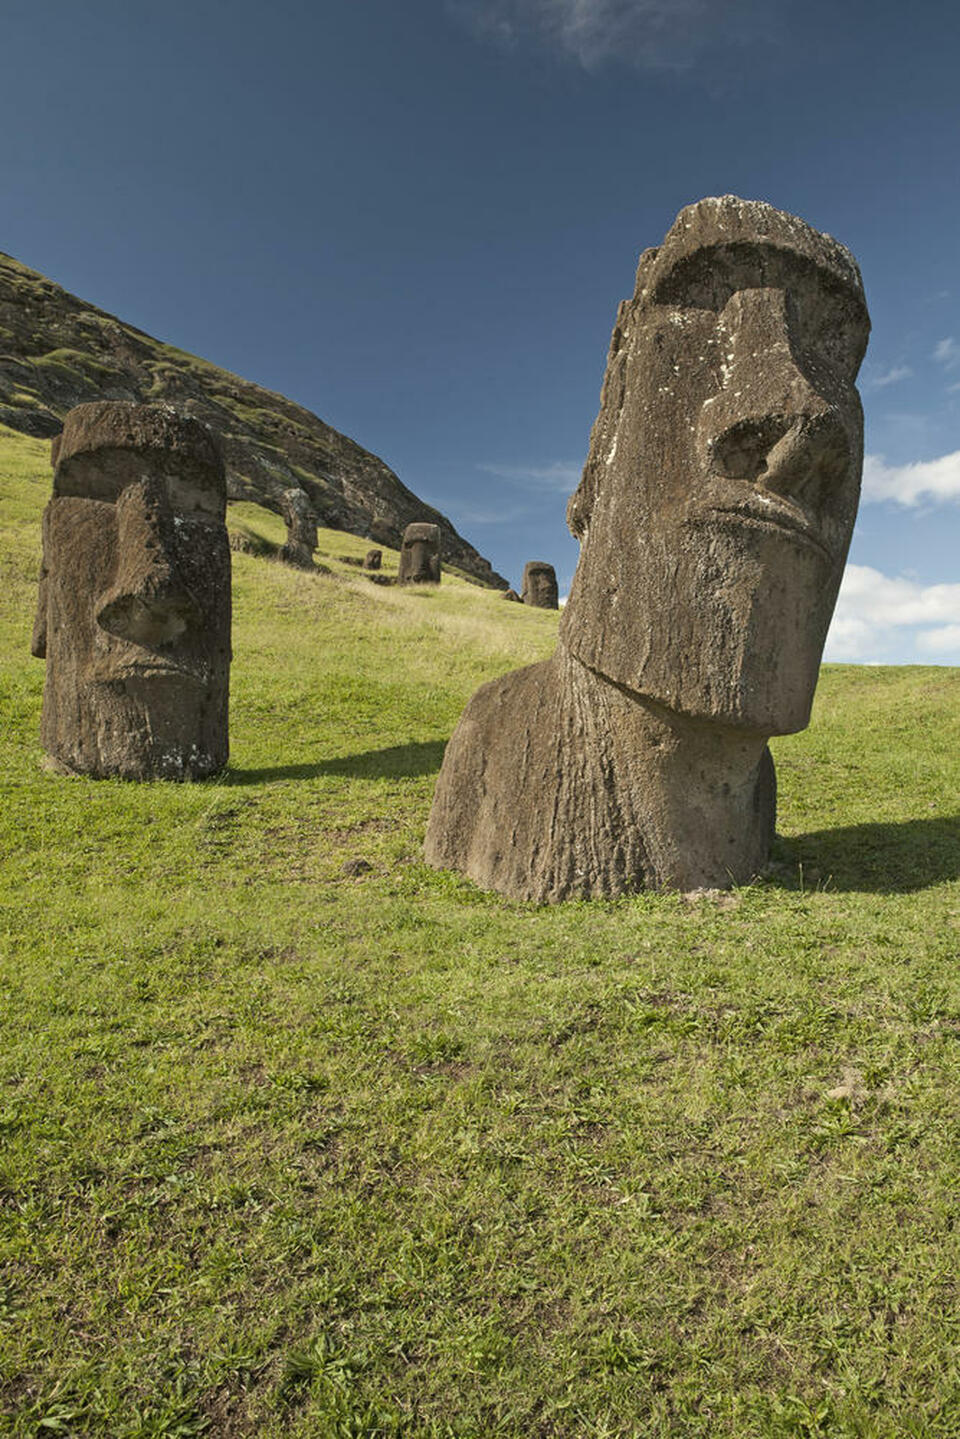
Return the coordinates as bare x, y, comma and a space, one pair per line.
290, 1151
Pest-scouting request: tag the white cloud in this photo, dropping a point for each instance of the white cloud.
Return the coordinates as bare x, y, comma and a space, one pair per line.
922, 481
890, 620
947, 353
647, 33
560, 475
890, 377
940, 641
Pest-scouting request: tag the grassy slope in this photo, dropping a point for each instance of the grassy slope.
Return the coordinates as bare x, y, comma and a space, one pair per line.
290, 1153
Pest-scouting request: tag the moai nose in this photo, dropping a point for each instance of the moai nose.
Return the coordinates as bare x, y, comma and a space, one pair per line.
148, 601
770, 426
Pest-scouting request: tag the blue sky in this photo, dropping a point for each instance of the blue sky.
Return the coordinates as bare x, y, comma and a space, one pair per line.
417, 219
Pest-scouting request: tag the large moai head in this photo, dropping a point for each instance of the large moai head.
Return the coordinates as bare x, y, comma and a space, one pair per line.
133, 614
718, 499
420, 555
301, 523
540, 585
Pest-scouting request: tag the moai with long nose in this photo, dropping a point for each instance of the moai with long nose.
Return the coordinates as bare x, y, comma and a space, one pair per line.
133, 614
540, 586
420, 555
301, 523
714, 513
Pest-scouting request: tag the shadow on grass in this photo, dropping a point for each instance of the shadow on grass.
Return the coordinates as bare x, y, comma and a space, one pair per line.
402, 761
877, 858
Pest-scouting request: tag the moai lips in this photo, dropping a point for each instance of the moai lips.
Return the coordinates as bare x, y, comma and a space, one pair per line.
133, 614
715, 513
420, 555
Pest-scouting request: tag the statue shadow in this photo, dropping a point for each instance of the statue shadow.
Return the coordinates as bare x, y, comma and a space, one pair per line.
875, 858
402, 761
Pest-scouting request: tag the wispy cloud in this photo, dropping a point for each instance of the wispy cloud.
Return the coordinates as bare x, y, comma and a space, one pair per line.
924, 481
664, 34
890, 377
560, 475
509, 515
893, 620
947, 353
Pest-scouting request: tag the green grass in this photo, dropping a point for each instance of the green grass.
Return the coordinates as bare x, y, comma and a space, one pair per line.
287, 1152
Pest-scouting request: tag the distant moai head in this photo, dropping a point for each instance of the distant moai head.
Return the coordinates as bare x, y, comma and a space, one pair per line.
373, 559
718, 499
540, 585
301, 522
133, 614
510, 595
420, 555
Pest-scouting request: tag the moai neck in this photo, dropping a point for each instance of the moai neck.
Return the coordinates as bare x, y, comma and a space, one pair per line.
700, 796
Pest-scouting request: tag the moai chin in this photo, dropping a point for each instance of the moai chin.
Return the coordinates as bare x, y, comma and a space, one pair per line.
714, 513
133, 613
540, 586
301, 523
420, 555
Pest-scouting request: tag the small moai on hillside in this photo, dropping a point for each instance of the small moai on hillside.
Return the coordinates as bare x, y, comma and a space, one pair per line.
133, 611
714, 514
301, 523
540, 586
373, 559
510, 595
420, 555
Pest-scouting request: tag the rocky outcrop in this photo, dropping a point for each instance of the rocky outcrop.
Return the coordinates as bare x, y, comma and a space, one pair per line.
57, 351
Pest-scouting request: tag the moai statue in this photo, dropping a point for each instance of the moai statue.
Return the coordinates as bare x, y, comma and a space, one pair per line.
301, 523
133, 614
420, 555
540, 586
510, 595
373, 559
715, 512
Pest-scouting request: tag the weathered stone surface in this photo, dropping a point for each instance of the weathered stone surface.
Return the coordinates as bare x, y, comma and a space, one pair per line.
715, 512
301, 523
420, 556
59, 351
133, 613
373, 559
540, 586
510, 595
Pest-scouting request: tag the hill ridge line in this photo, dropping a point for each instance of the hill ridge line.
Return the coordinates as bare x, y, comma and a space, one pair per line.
58, 350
